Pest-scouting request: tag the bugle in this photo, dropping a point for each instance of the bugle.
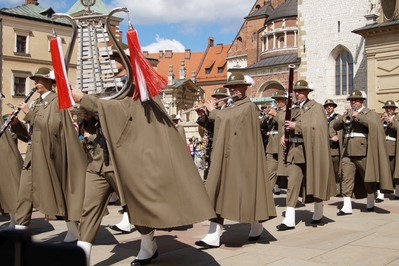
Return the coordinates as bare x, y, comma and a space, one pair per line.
203, 105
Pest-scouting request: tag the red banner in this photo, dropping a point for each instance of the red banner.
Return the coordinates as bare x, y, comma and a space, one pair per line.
65, 99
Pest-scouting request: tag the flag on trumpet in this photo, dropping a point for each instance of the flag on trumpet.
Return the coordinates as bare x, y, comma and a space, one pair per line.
65, 99
148, 82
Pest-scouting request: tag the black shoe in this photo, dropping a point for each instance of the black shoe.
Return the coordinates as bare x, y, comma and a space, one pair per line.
145, 261
370, 209
121, 211
396, 198
377, 200
204, 244
116, 228
342, 213
339, 195
276, 192
283, 227
253, 238
315, 221
112, 203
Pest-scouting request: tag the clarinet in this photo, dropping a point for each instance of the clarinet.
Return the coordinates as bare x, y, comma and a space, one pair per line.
15, 113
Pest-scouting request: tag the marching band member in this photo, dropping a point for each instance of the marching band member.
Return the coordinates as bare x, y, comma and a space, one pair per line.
364, 154
329, 106
390, 123
236, 183
271, 122
159, 192
51, 179
209, 124
309, 166
10, 167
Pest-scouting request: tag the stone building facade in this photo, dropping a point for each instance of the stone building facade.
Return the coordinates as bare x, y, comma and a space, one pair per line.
327, 46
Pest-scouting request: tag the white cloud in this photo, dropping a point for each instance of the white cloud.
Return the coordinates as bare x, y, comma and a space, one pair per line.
182, 11
163, 44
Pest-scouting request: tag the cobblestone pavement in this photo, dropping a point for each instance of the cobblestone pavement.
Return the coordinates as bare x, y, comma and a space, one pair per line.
363, 238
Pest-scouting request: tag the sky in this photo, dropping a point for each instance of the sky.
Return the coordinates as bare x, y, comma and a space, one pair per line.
171, 24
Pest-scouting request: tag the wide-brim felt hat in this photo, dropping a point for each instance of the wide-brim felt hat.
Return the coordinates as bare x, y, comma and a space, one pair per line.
329, 101
43, 72
236, 79
222, 91
356, 94
302, 85
279, 94
390, 103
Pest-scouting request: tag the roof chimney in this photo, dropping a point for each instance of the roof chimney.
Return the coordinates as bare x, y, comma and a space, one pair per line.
210, 41
187, 54
145, 53
160, 53
34, 2
219, 48
168, 53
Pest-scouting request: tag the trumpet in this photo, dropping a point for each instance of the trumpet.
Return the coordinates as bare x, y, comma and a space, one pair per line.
265, 112
203, 105
385, 120
348, 119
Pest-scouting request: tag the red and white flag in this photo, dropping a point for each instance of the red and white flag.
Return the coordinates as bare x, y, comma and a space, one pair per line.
65, 99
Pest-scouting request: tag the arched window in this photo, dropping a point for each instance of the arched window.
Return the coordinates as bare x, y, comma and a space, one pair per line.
280, 42
344, 73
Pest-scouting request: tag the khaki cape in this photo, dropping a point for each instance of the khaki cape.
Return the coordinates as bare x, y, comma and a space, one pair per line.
238, 181
161, 184
10, 168
57, 160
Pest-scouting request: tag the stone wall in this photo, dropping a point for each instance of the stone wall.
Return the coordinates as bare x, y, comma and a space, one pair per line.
325, 28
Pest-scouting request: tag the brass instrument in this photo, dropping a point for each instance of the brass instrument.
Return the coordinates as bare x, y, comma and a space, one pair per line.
348, 119
203, 105
95, 68
385, 120
265, 112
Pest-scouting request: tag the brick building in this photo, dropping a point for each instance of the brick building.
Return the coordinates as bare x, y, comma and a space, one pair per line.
265, 45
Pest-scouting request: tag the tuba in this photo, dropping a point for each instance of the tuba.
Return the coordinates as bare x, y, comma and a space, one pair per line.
95, 72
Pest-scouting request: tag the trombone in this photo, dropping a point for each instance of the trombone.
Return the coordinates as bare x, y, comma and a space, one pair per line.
203, 105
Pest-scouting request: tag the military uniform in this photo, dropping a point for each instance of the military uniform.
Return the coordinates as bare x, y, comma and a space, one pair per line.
272, 126
52, 180
309, 164
334, 145
365, 164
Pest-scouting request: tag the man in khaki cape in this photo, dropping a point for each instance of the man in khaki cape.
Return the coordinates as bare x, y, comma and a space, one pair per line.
53, 177
160, 183
237, 183
365, 162
10, 168
309, 165
272, 124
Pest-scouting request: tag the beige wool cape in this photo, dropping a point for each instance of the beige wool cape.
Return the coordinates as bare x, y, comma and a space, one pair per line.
161, 184
10, 169
238, 181
319, 180
57, 160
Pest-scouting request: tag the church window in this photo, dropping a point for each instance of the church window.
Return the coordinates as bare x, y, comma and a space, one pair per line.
344, 73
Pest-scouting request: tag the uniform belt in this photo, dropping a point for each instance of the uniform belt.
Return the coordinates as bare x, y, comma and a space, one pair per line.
390, 138
296, 140
274, 132
356, 135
